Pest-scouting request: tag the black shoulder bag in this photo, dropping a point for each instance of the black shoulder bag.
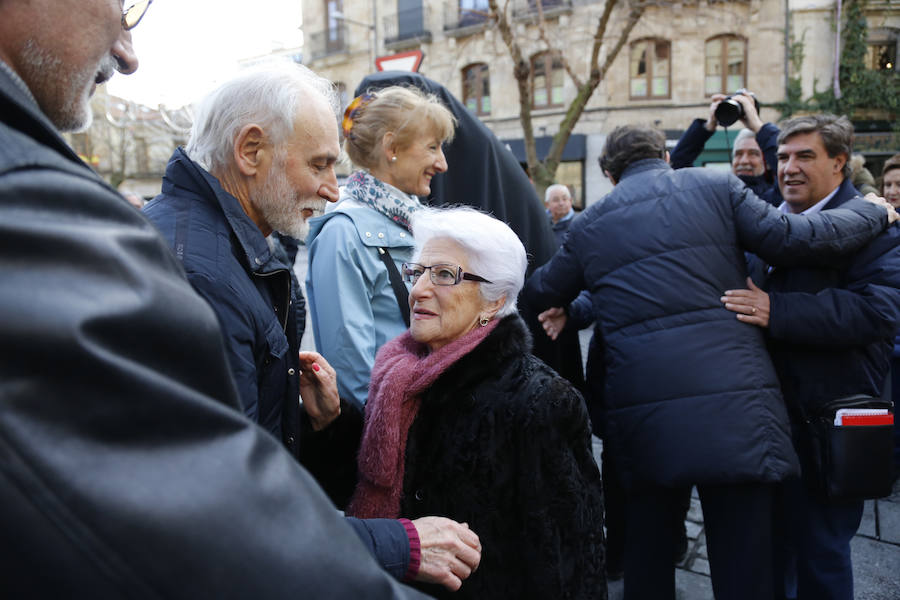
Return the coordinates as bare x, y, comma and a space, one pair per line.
850, 461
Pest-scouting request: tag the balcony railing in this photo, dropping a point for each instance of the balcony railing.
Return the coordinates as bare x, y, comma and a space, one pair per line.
327, 42
407, 26
527, 8
456, 17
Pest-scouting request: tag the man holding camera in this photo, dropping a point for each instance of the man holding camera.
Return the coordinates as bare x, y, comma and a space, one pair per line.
753, 154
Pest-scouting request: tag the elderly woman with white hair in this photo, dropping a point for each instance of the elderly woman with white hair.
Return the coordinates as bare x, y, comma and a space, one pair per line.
463, 422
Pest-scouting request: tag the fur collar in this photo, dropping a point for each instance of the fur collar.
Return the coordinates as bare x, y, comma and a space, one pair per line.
509, 340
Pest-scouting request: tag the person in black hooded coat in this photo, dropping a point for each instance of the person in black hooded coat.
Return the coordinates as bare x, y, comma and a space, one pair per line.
484, 173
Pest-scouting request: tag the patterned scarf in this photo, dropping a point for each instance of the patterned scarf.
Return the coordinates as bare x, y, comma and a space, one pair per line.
383, 197
403, 370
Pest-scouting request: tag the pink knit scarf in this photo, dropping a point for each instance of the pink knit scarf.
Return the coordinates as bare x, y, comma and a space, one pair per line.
403, 370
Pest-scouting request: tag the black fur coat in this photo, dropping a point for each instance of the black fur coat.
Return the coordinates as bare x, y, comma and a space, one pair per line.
501, 442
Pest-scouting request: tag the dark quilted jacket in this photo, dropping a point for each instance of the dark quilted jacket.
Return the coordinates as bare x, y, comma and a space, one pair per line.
690, 392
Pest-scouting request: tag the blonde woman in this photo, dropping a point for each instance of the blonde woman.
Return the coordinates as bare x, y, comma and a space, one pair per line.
394, 136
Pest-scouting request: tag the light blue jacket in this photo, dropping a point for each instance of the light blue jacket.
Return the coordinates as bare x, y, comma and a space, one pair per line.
353, 307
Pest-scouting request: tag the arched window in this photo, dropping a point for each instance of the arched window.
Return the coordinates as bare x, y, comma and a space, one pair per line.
547, 87
650, 69
477, 88
726, 64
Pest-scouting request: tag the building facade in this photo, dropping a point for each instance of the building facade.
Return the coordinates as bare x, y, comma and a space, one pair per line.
129, 144
676, 57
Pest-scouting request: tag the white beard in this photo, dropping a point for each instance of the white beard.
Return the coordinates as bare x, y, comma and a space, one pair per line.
281, 206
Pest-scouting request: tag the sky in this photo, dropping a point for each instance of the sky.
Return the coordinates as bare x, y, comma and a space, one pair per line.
186, 47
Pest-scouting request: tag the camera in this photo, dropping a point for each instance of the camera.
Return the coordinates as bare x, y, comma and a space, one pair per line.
730, 110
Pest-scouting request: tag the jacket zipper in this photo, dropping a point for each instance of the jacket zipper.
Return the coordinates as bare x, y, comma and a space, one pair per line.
283, 318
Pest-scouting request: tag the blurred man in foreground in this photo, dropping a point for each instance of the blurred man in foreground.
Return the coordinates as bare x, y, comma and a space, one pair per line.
126, 468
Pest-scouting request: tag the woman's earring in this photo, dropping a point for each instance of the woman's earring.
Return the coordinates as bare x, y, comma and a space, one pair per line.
483, 321
394, 158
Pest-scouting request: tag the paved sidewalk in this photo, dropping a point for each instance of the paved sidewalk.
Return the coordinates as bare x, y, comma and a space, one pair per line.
876, 553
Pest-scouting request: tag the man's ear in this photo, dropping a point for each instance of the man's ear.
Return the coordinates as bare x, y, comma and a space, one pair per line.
667, 157
610, 177
251, 149
840, 161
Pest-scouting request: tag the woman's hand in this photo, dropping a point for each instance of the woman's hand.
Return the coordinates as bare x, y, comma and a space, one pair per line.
751, 305
318, 390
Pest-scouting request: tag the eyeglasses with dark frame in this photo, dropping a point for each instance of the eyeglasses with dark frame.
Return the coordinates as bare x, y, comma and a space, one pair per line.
132, 15
441, 274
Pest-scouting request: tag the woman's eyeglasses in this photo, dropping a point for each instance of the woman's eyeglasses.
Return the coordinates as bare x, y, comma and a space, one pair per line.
441, 274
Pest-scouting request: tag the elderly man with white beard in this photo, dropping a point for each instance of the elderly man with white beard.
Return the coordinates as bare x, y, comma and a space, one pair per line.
261, 159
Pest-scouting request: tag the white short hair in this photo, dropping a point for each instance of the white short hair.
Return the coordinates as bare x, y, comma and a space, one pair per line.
269, 94
494, 251
556, 187
742, 135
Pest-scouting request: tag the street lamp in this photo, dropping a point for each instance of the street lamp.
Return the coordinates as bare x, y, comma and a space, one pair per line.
339, 16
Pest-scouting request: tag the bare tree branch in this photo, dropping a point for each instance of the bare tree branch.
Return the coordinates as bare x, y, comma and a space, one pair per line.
522, 74
576, 108
542, 35
543, 172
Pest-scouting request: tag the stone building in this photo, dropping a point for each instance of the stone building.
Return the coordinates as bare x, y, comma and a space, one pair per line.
676, 57
129, 144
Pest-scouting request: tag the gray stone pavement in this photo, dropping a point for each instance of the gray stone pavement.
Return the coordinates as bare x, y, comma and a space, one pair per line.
875, 548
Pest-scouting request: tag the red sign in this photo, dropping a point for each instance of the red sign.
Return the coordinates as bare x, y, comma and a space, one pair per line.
402, 61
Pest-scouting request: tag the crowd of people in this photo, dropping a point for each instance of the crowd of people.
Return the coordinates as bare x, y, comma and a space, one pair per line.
162, 434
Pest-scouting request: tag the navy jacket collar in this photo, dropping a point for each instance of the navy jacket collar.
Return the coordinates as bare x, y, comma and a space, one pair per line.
182, 172
845, 192
645, 164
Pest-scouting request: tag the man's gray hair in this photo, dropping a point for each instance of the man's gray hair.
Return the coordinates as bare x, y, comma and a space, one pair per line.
493, 250
556, 187
743, 134
836, 132
269, 95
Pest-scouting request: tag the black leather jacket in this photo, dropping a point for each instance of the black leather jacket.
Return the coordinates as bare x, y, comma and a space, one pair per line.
126, 467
